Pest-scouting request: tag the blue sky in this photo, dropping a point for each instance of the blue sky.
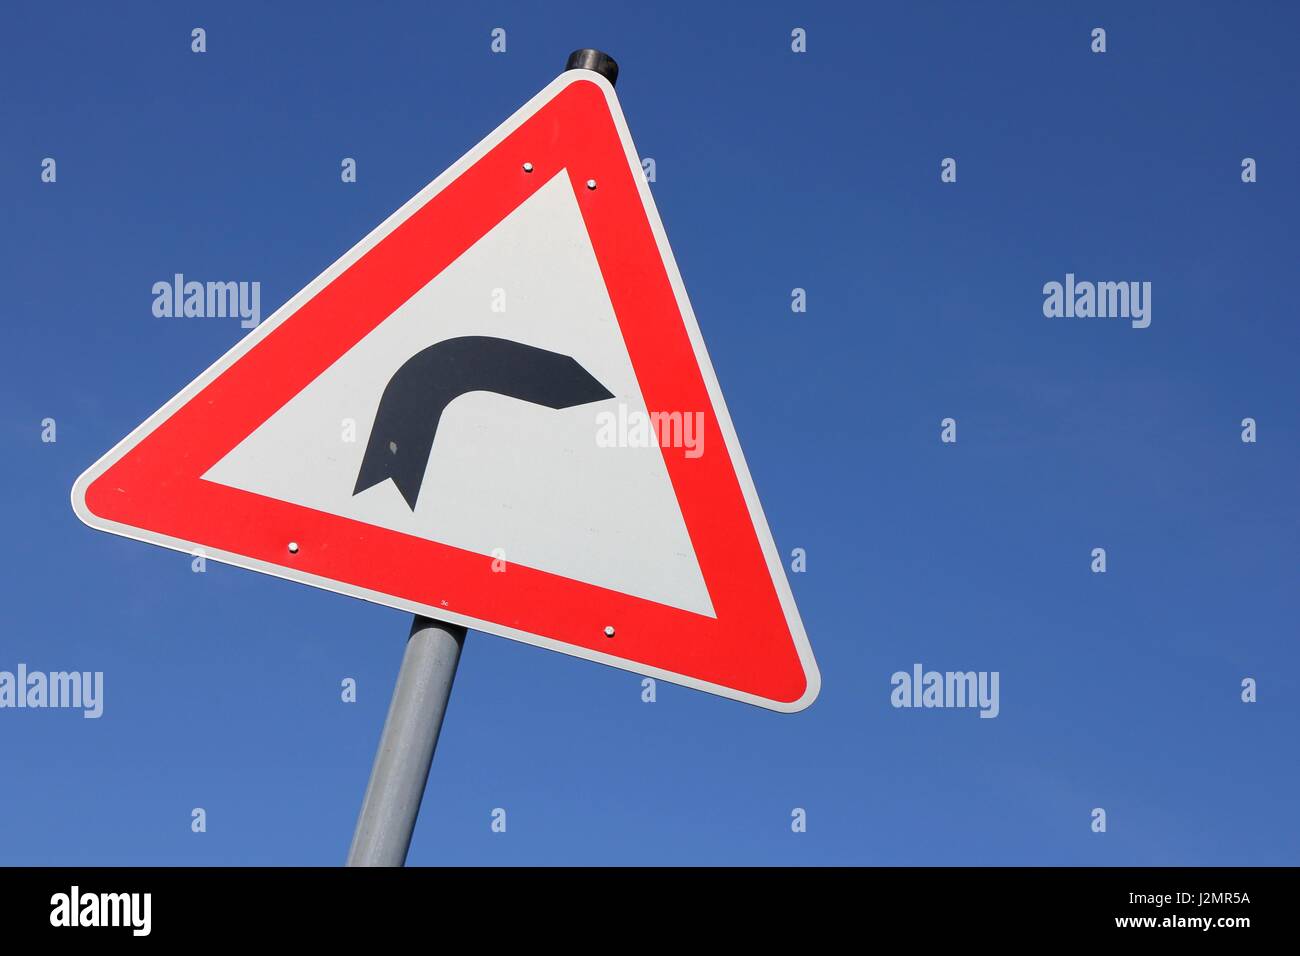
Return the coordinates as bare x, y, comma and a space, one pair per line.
775, 170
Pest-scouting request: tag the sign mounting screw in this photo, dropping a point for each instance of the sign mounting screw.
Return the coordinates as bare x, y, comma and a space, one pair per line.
528, 167
293, 547
591, 184
609, 630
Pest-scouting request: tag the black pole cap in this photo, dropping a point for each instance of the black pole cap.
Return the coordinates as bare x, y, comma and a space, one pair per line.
595, 61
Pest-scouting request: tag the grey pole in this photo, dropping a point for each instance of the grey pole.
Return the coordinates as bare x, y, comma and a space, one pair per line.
595, 61
406, 746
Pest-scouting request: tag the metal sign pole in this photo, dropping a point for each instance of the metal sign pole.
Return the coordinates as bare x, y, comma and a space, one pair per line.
406, 746
410, 734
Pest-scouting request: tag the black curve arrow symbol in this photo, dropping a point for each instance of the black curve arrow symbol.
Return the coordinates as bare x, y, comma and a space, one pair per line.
418, 393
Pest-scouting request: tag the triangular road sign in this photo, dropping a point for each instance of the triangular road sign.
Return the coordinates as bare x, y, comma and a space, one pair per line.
496, 410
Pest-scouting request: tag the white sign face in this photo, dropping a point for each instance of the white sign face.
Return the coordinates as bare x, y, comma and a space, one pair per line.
519, 479
495, 410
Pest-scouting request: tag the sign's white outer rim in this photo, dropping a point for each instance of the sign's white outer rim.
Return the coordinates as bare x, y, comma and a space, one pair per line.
774, 564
